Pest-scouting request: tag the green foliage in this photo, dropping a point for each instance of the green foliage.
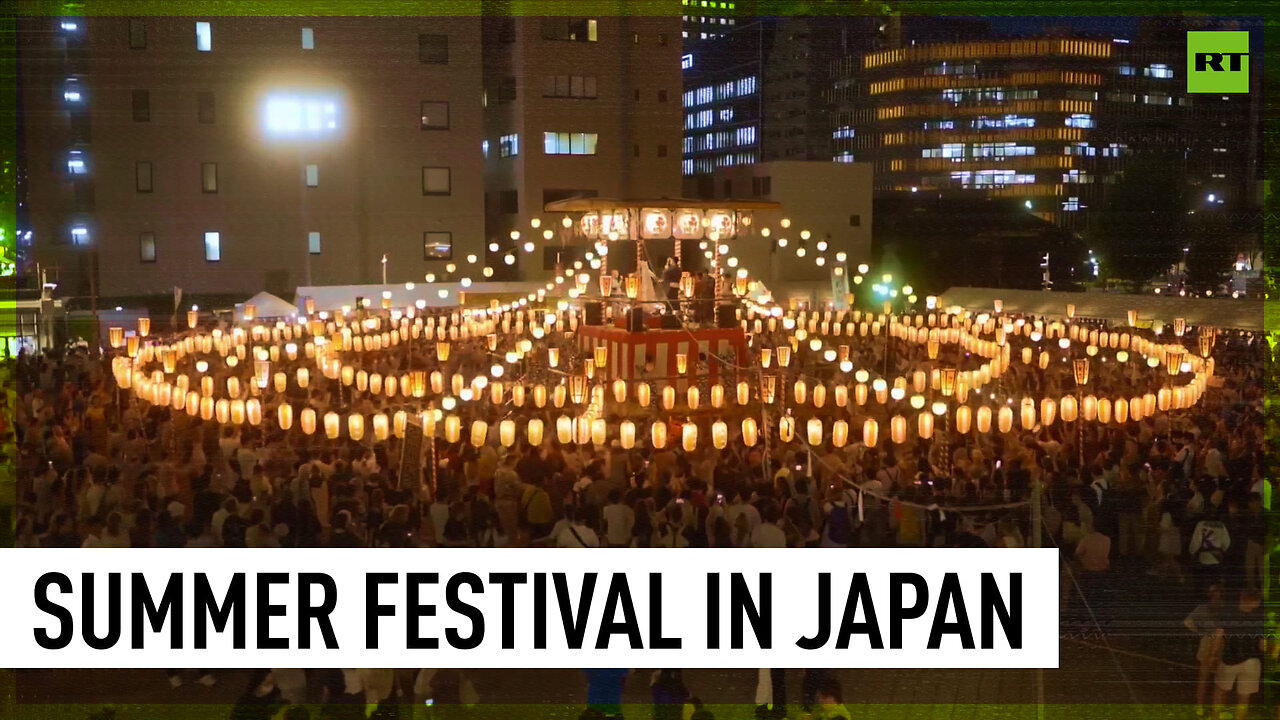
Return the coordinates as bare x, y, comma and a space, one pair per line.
1143, 223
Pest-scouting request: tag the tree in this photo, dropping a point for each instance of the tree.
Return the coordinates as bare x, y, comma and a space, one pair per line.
1143, 224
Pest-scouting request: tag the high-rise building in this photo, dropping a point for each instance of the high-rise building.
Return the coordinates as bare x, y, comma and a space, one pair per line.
711, 19
574, 107
225, 155
229, 155
1049, 120
759, 93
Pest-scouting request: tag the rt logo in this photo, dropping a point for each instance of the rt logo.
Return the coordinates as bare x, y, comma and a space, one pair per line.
1218, 62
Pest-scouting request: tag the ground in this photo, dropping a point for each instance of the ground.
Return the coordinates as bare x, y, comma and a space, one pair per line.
1140, 666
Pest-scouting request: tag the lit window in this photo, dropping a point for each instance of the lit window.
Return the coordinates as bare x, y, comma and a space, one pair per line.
1158, 70
313, 242
484, 148
509, 145
209, 177
1127, 70
1071, 204
308, 39
1080, 120
437, 245
565, 143
212, 246
147, 247
79, 235
69, 25
71, 91
686, 62
1157, 99
435, 115
287, 115
435, 181
76, 164
313, 176
204, 37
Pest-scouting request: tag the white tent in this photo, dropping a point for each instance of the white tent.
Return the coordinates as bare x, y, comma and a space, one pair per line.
267, 306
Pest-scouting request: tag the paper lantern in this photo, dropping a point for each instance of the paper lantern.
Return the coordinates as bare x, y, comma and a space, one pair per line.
1089, 408
601, 355
362, 381
839, 433
303, 377
1069, 408
144, 326
870, 432
693, 397
452, 428
252, 411
564, 429
117, 336
682, 363
222, 411
819, 395
442, 351
1104, 410
750, 432
331, 425
643, 393
496, 393
766, 357
860, 393
479, 433
1048, 411
814, 431
786, 428
1004, 419
627, 434
284, 416
399, 423
717, 396
984, 419
1028, 413
744, 393
784, 355
801, 392
620, 390
841, 395
539, 395
308, 421
598, 431
658, 435
1121, 408
533, 432
668, 397
964, 419
689, 437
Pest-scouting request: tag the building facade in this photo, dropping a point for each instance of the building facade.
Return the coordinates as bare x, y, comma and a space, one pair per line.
228, 155
1048, 120
574, 107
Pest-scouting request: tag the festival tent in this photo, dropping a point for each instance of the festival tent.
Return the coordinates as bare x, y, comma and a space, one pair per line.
1227, 313
267, 306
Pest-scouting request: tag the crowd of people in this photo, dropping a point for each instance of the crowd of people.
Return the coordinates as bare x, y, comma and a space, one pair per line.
1179, 495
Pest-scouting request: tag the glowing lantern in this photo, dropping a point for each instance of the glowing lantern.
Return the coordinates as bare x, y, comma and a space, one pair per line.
620, 390
1121, 408
1004, 419
331, 425
682, 363
658, 435
442, 351
1104, 410
1048, 411
839, 433
479, 433
870, 432
786, 428
689, 437
452, 428
627, 434
801, 392
399, 422
819, 395
744, 393
144, 326
860, 393
815, 431
717, 396
222, 411
533, 432
924, 426
564, 429
308, 420
643, 392
668, 397
984, 419
964, 419
693, 398
1070, 409
749, 432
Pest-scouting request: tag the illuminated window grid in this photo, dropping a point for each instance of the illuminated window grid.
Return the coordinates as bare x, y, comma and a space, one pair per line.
1017, 107
936, 82
960, 52
1062, 134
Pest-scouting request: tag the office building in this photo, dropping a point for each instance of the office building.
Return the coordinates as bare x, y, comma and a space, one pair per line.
1049, 120
228, 155
574, 107
711, 19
